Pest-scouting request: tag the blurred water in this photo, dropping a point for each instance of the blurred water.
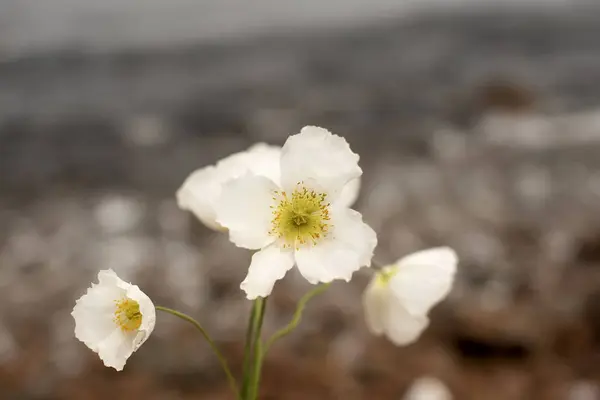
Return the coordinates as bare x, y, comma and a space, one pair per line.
33, 25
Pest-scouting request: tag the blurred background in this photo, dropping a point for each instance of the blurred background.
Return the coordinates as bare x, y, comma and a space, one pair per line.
478, 127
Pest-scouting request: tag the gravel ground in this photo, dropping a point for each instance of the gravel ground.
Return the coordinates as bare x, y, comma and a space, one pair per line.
476, 130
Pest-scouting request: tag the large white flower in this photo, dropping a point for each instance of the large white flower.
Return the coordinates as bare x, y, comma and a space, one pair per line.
200, 192
302, 218
399, 297
114, 318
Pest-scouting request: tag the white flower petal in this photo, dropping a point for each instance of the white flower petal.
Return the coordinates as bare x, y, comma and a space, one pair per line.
401, 327
148, 315
94, 311
94, 315
347, 248
244, 209
424, 278
317, 155
201, 190
267, 266
264, 160
349, 193
375, 298
117, 348
199, 193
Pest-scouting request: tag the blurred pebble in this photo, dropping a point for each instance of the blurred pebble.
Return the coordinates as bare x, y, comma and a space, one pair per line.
450, 144
8, 345
347, 349
583, 390
172, 220
428, 388
496, 296
146, 130
184, 274
125, 255
66, 354
117, 214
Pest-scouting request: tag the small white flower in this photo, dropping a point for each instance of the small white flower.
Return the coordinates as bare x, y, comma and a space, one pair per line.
399, 297
114, 318
301, 218
200, 192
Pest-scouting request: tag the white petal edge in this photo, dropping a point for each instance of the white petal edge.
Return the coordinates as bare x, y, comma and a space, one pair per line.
268, 266
265, 160
244, 209
316, 154
148, 315
424, 278
374, 302
349, 247
200, 191
401, 327
199, 194
117, 348
93, 313
349, 193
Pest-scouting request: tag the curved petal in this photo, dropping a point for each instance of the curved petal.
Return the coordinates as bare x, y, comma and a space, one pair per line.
93, 314
94, 311
148, 315
244, 208
264, 160
199, 194
424, 278
317, 155
401, 327
349, 193
117, 348
374, 301
267, 266
346, 249
201, 190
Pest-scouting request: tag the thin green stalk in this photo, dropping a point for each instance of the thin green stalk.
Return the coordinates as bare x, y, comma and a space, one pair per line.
261, 304
211, 343
297, 316
248, 350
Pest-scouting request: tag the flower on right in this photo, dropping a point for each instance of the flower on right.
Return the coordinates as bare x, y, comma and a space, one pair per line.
399, 297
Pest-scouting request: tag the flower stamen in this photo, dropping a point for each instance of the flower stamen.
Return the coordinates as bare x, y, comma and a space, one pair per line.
300, 218
127, 315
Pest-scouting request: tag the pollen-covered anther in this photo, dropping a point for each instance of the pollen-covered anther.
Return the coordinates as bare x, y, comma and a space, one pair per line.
301, 218
127, 315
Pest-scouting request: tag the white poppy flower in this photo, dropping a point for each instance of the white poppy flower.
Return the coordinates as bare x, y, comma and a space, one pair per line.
399, 297
114, 318
200, 192
302, 219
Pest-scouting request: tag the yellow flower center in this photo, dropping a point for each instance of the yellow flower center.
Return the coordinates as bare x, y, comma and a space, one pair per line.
386, 274
300, 217
127, 314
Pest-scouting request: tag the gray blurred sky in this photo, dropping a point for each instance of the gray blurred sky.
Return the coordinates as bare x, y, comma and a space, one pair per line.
28, 26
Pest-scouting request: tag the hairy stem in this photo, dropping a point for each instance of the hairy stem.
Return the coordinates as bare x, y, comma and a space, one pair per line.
297, 316
222, 360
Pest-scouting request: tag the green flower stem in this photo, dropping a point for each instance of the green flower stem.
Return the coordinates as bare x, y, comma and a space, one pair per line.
248, 350
260, 304
211, 343
296, 318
